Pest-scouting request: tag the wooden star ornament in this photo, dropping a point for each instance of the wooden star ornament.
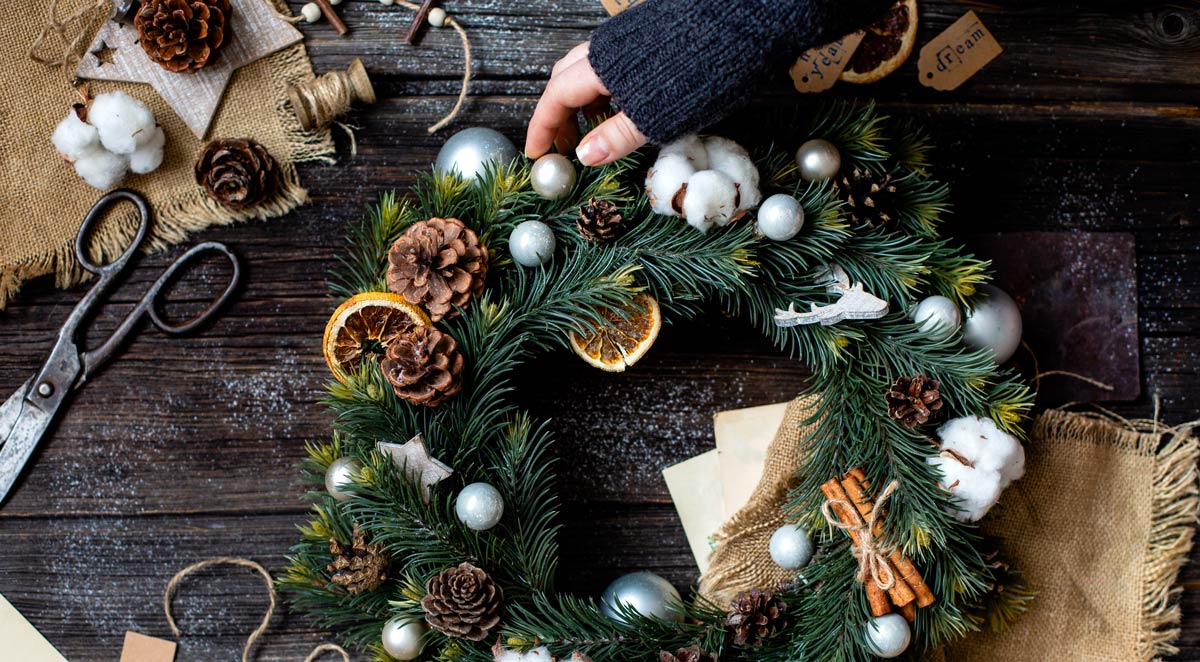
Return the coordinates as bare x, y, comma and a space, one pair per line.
413, 459
116, 55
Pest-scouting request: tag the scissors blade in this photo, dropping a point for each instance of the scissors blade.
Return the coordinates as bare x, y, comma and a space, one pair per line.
11, 410
26, 430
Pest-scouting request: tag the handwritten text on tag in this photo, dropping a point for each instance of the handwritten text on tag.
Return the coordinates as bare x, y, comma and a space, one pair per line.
818, 68
957, 53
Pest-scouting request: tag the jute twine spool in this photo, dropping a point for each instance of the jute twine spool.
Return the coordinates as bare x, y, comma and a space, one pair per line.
319, 102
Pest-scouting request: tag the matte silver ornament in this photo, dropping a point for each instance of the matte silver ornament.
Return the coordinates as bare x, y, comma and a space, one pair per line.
470, 151
552, 176
938, 317
338, 477
994, 323
888, 636
780, 217
479, 506
818, 160
791, 547
402, 638
647, 593
532, 244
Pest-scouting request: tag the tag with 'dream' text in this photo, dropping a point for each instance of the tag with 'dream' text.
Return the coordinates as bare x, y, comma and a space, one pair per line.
818, 68
957, 53
615, 7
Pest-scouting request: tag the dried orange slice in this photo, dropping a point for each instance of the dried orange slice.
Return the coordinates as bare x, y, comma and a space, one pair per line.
363, 326
625, 337
887, 44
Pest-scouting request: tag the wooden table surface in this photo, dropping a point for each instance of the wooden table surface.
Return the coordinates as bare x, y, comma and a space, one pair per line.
183, 449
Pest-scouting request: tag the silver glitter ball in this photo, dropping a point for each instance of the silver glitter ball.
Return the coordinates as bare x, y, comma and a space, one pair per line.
647, 593
791, 547
888, 636
402, 638
479, 506
532, 244
938, 317
552, 176
818, 160
994, 323
470, 151
780, 217
338, 477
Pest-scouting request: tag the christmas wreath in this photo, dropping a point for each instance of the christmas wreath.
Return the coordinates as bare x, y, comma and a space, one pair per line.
434, 516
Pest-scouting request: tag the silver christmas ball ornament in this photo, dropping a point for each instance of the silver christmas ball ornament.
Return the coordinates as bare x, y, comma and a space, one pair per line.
780, 217
994, 323
402, 638
938, 317
818, 160
532, 244
470, 151
791, 547
552, 176
888, 636
338, 477
645, 592
479, 506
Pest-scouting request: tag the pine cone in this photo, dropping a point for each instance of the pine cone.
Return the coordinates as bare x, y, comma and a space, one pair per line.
424, 366
358, 567
756, 616
437, 264
236, 172
914, 400
690, 654
183, 35
870, 198
599, 221
462, 602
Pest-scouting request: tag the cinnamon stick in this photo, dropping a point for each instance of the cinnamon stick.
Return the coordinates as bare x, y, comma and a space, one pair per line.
900, 593
857, 486
331, 15
419, 18
909, 612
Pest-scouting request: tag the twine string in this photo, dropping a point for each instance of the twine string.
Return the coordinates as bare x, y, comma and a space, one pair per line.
870, 553
467, 66
71, 29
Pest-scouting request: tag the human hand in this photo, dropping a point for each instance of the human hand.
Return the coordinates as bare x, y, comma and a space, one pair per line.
574, 86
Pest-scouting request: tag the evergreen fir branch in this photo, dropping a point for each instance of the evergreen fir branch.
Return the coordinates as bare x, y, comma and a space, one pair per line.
910, 146
856, 129
363, 267
921, 203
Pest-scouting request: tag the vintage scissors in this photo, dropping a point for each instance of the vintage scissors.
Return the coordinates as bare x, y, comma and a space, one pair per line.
26, 415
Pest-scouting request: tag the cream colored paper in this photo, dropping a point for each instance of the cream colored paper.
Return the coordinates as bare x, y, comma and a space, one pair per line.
21, 640
743, 436
695, 488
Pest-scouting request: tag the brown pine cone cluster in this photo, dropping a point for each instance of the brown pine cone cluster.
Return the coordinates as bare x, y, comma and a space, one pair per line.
358, 567
870, 199
183, 36
755, 617
599, 221
690, 654
914, 400
463, 602
424, 366
437, 264
236, 172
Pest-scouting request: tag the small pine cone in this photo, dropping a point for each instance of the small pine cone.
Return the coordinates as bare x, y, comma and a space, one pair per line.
755, 617
424, 366
599, 221
437, 264
914, 400
463, 602
358, 567
870, 199
183, 36
236, 172
692, 653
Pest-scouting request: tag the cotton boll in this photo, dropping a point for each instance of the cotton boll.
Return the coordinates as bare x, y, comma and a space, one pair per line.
146, 158
985, 446
692, 148
733, 160
664, 182
540, 654
709, 199
73, 137
101, 169
975, 492
124, 123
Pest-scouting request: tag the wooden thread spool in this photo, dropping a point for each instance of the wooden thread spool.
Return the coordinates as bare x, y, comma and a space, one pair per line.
319, 102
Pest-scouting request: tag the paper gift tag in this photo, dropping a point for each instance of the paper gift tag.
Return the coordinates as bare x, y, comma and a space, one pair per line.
695, 488
142, 648
21, 640
957, 53
818, 68
615, 7
743, 437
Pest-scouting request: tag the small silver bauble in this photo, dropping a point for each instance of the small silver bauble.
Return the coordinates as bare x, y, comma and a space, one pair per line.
470, 151
791, 547
994, 323
552, 176
479, 506
888, 635
818, 160
780, 217
402, 638
532, 244
647, 593
938, 317
338, 477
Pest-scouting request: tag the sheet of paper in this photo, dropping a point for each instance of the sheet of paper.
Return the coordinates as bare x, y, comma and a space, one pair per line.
743, 436
21, 640
144, 648
695, 488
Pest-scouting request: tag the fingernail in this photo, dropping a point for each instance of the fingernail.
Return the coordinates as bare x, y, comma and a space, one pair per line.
593, 151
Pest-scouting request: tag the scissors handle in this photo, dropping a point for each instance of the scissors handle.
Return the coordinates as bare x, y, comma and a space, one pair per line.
95, 215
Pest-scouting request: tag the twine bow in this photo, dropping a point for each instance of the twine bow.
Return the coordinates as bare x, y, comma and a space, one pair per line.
871, 555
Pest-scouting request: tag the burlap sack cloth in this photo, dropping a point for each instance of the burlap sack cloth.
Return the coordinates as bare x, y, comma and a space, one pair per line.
1101, 524
43, 202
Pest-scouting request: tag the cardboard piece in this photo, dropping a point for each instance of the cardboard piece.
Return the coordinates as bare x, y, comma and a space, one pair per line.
21, 640
743, 436
143, 648
957, 53
694, 485
818, 69
615, 7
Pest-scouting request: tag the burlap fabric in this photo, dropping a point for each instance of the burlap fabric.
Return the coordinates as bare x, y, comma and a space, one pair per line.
1101, 524
43, 202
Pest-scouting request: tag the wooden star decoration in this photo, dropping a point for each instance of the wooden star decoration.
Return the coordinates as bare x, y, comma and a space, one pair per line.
257, 33
413, 459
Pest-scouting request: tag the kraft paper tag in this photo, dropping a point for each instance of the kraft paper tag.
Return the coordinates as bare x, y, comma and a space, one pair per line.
957, 53
615, 7
818, 68
141, 648
21, 641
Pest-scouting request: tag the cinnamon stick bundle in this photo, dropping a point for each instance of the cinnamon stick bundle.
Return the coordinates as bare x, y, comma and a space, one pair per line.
858, 488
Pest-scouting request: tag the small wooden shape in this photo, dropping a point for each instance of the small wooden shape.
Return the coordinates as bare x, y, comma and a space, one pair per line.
957, 53
414, 28
614, 7
143, 648
818, 69
331, 15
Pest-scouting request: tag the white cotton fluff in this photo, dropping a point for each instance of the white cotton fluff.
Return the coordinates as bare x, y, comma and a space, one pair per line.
709, 200
692, 148
720, 171
978, 461
664, 181
124, 123
540, 654
733, 160
101, 169
147, 157
73, 137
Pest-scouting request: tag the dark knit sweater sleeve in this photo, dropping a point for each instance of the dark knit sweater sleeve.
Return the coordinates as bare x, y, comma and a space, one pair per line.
677, 66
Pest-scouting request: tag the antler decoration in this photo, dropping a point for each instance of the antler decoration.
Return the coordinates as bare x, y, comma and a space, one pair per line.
855, 303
